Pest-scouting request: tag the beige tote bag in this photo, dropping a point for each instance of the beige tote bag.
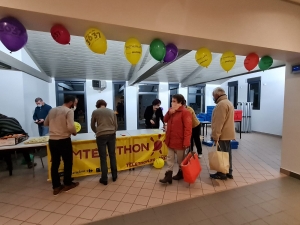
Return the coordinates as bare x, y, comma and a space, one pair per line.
219, 161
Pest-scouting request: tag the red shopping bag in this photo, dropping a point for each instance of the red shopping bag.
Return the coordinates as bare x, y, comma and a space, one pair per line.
191, 168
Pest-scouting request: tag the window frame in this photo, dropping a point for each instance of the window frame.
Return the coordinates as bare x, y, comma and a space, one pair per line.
234, 84
255, 80
202, 95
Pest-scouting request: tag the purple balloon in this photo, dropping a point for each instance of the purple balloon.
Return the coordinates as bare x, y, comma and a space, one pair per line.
171, 53
13, 34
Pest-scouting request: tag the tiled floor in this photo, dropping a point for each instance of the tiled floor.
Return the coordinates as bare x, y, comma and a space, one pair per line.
274, 202
24, 199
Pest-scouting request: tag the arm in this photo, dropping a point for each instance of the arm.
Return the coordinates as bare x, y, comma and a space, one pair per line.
147, 115
93, 123
161, 116
46, 122
116, 123
219, 116
70, 122
167, 117
187, 128
34, 115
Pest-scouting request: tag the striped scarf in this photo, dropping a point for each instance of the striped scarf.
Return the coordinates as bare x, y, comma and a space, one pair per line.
9, 126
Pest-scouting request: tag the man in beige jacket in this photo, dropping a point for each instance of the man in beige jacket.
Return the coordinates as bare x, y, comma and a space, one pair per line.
223, 130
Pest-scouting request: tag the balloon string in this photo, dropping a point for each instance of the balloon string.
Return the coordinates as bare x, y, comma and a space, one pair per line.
69, 43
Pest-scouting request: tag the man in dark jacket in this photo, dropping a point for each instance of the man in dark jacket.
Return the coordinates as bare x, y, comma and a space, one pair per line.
153, 114
40, 113
9, 126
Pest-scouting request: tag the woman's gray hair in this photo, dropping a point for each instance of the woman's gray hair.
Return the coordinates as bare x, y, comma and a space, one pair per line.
218, 91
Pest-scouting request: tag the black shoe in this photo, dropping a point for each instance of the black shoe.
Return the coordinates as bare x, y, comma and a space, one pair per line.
218, 176
115, 179
167, 178
178, 176
229, 176
104, 182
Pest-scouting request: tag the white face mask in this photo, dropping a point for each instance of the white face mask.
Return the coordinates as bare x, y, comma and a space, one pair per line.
74, 108
39, 105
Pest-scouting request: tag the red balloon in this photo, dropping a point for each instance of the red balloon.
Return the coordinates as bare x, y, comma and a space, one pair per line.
251, 61
60, 34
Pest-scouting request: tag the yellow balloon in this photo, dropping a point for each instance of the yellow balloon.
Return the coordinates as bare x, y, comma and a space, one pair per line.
95, 40
203, 57
77, 126
159, 163
228, 60
133, 50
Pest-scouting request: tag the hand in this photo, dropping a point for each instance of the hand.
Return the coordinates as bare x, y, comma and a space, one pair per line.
185, 147
36, 121
171, 110
41, 120
152, 122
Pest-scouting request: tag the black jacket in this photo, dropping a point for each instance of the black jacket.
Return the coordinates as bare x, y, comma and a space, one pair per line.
148, 116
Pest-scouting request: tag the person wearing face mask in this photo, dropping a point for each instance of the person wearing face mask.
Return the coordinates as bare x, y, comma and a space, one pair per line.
61, 126
222, 127
178, 136
40, 113
153, 114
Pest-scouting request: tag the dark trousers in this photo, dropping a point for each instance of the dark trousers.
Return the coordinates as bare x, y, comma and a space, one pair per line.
108, 141
61, 149
7, 158
225, 146
196, 138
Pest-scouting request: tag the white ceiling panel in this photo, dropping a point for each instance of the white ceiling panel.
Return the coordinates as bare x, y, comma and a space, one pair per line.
76, 60
215, 71
176, 71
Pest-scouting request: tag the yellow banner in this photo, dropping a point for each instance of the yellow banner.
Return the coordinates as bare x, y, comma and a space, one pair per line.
131, 152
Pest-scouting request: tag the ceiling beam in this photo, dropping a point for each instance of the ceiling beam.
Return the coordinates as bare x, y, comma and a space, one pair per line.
65, 86
190, 79
17, 64
152, 67
135, 68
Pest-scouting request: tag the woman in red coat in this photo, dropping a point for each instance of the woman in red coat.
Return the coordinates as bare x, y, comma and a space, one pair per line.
178, 135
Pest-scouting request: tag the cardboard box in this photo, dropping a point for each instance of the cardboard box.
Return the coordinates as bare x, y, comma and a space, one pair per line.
12, 141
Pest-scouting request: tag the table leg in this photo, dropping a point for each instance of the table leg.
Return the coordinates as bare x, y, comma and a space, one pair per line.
240, 129
206, 128
203, 129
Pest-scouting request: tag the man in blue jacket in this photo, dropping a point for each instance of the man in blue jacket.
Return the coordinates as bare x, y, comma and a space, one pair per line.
40, 113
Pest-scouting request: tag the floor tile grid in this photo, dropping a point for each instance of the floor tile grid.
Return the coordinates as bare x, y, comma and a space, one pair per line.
140, 185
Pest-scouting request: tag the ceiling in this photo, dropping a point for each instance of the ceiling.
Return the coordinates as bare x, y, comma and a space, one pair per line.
77, 61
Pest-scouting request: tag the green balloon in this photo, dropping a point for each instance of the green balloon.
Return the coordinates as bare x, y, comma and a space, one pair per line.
158, 49
265, 63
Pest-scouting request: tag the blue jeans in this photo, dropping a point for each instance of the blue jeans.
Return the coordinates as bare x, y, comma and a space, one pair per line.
43, 131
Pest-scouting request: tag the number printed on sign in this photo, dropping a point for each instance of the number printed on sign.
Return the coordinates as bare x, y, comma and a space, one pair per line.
10, 29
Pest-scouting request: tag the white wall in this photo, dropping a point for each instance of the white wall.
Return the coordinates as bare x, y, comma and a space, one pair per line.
290, 153
163, 96
18, 91
183, 91
33, 88
269, 118
208, 95
11, 95
131, 104
93, 95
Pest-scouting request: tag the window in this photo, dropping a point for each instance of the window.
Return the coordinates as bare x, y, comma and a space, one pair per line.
196, 98
233, 93
147, 93
254, 85
173, 90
